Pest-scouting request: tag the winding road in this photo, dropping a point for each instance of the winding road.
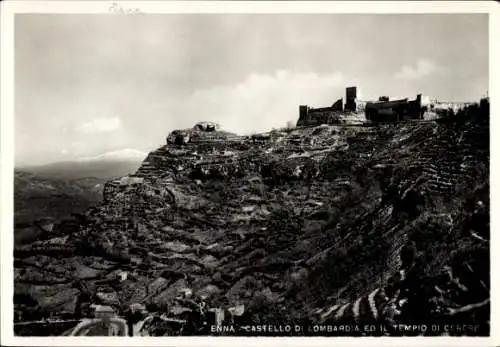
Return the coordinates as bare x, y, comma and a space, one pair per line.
101, 327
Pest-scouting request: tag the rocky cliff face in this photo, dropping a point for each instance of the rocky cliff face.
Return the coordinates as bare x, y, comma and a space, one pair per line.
286, 222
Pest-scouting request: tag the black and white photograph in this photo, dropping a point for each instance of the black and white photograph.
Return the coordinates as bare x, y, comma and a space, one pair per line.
248, 174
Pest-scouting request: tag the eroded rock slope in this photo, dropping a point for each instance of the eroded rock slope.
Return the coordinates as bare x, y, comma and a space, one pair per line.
289, 223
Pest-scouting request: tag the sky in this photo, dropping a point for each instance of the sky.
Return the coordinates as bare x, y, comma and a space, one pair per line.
87, 84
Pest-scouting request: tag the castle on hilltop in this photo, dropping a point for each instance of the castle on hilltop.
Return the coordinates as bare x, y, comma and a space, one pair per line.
356, 110
332, 114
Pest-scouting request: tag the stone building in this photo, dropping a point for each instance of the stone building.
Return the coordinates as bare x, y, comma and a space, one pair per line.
331, 114
385, 110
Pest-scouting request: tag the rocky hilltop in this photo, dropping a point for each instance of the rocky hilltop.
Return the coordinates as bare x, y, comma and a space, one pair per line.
292, 223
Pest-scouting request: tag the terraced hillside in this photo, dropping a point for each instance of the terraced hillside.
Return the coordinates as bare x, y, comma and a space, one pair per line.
294, 224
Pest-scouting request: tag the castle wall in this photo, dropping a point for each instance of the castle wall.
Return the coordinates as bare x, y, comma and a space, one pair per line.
320, 117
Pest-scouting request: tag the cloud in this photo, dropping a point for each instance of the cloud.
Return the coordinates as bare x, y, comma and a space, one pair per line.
423, 68
263, 101
99, 125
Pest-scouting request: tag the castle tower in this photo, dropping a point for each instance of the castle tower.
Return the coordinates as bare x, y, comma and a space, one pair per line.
351, 94
303, 114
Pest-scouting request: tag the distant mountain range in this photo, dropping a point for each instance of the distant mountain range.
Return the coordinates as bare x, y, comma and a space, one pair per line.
104, 166
127, 154
57, 190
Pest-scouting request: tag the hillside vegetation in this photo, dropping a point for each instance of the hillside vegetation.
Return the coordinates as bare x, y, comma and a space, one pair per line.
288, 223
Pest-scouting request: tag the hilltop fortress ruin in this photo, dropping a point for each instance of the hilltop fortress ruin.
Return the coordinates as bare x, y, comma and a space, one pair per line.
385, 109
354, 111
